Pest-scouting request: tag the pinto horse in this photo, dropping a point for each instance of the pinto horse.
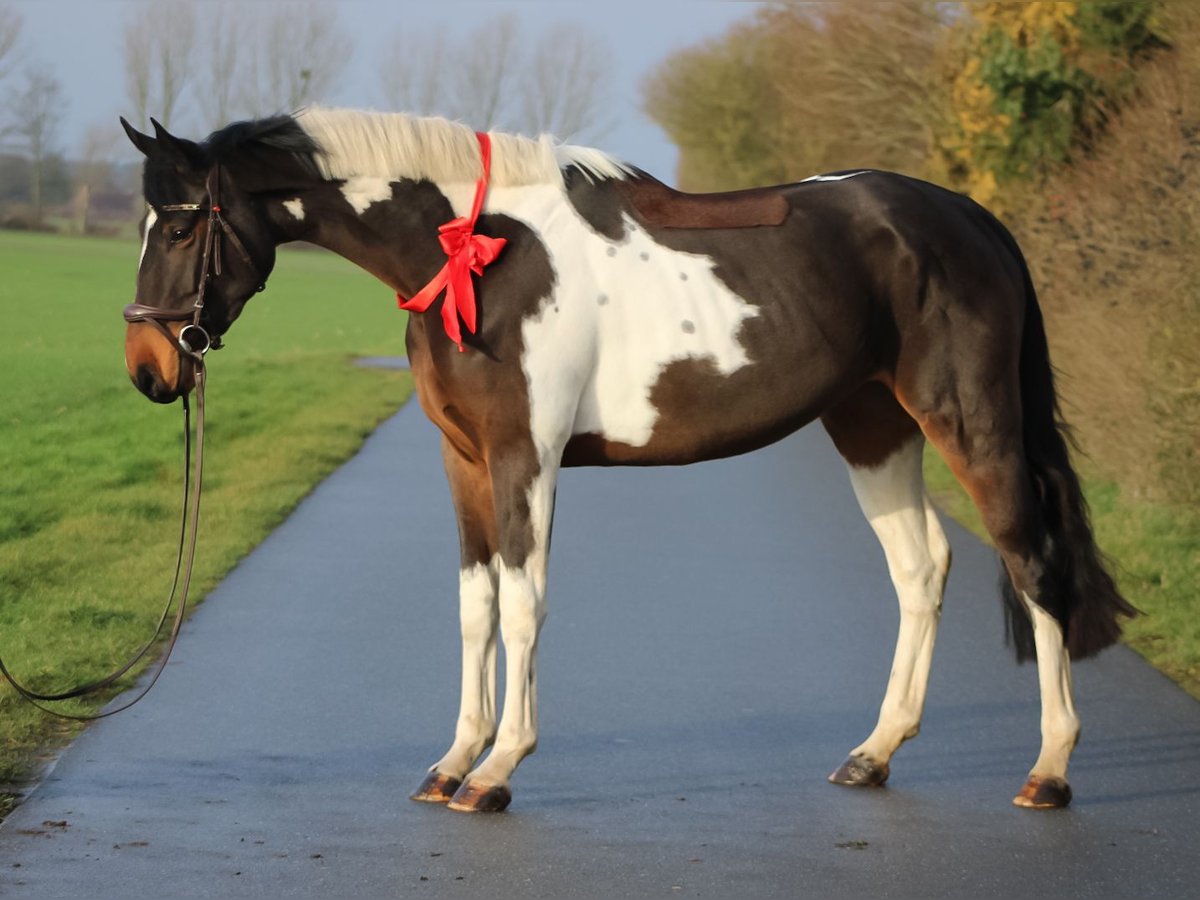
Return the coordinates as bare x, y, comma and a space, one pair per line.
620, 322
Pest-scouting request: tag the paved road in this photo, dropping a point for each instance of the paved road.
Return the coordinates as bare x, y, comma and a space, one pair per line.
719, 637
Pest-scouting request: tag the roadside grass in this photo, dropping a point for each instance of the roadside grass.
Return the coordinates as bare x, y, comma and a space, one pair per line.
91, 471
1154, 552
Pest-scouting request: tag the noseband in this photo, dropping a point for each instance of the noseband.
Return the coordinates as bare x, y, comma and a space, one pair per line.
194, 340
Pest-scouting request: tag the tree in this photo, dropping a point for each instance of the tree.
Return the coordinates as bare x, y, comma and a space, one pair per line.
94, 169
10, 32
160, 40
556, 87
415, 80
561, 87
223, 48
37, 110
481, 87
300, 57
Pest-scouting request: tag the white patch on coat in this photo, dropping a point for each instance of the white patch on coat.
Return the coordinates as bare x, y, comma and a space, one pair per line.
296, 208
151, 218
622, 311
834, 177
360, 192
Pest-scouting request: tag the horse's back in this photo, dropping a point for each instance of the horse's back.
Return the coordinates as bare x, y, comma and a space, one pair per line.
712, 341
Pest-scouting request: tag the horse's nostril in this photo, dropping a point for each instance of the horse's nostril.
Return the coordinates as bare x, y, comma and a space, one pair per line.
147, 382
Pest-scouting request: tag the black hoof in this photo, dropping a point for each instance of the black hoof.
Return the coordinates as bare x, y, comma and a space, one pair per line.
1043, 793
436, 788
858, 771
481, 798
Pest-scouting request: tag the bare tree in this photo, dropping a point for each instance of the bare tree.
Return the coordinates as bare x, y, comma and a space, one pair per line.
557, 87
95, 168
302, 55
561, 88
481, 88
160, 40
10, 32
223, 49
37, 110
417, 82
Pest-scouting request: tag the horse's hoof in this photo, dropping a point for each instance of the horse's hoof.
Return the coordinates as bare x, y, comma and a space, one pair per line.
1043, 793
481, 798
858, 771
437, 788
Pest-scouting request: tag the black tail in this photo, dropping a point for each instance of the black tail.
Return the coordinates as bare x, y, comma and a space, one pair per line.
1076, 587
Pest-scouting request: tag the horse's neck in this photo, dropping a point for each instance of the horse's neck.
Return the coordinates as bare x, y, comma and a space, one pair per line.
390, 230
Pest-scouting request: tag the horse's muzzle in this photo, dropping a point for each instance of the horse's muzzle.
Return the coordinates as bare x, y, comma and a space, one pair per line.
150, 384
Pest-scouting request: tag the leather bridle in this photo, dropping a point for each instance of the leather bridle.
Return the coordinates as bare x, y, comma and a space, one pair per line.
192, 343
194, 340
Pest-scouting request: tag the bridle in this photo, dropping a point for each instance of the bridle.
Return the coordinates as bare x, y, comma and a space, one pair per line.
194, 340
192, 344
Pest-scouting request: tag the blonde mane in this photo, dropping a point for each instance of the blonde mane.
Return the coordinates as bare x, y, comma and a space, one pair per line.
359, 143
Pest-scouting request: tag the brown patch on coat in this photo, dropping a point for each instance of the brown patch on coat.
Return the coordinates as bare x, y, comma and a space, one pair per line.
869, 426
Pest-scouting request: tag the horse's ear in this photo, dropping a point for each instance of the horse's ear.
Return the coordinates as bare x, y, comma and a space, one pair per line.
185, 152
143, 142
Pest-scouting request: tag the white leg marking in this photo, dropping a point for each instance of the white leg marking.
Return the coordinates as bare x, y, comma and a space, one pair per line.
296, 208
1060, 724
522, 612
151, 218
362, 191
477, 708
893, 499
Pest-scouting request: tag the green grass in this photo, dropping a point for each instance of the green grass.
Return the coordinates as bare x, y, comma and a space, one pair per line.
92, 470
1154, 550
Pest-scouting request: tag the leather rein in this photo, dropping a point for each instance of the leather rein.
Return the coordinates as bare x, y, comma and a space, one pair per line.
192, 344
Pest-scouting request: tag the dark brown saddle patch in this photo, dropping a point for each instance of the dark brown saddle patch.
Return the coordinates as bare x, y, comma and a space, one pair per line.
666, 207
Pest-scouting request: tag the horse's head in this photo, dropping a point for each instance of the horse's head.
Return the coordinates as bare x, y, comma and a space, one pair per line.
207, 248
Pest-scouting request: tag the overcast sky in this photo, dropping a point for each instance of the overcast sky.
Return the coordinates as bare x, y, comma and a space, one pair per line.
80, 40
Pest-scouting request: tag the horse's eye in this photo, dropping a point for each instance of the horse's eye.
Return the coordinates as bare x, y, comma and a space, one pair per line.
179, 234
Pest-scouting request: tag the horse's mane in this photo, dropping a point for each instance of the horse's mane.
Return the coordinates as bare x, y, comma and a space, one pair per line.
350, 143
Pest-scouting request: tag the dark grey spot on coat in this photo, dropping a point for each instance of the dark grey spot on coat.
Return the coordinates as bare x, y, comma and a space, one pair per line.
683, 276
602, 299
645, 255
612, 251
688, 326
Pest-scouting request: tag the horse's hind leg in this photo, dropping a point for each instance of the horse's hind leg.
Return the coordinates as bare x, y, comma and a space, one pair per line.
883, 449
471, 489
986, 451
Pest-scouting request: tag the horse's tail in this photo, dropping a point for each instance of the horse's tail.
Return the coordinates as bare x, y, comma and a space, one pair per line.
1076, 587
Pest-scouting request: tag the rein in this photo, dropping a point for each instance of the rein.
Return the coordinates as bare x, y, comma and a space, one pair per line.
192, 344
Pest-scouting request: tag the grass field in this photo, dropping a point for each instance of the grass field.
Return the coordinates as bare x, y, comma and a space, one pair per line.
91, 470
1154, 553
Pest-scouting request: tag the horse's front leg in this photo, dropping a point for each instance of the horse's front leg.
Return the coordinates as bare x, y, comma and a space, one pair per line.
471, 488
523, 488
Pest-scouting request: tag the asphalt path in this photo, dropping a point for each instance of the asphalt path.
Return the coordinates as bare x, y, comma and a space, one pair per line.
719, 637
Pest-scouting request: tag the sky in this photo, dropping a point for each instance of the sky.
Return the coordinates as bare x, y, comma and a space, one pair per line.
80, 42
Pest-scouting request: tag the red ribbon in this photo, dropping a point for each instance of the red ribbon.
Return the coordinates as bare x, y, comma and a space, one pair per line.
467, 252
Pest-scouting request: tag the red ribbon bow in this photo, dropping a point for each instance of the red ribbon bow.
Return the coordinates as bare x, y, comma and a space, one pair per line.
467, 252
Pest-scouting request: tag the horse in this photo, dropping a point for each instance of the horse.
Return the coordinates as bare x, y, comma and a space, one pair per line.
594, 316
